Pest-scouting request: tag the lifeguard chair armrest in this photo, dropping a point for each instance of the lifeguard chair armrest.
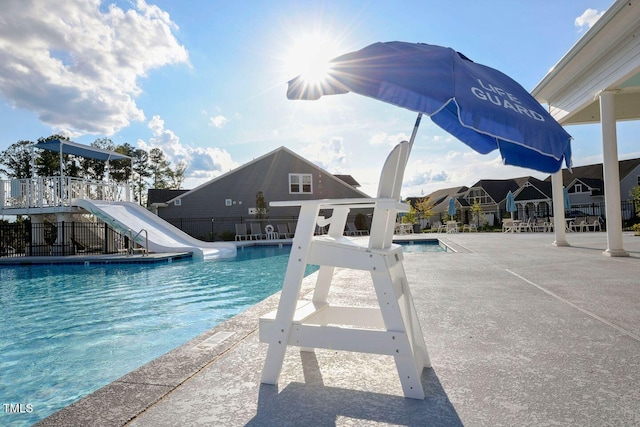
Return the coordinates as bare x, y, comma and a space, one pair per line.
354, 203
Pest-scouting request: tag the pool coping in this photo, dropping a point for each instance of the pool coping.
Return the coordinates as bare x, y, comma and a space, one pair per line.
152, 258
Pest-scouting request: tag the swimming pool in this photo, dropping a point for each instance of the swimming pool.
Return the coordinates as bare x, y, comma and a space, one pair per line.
68, 330
421, 246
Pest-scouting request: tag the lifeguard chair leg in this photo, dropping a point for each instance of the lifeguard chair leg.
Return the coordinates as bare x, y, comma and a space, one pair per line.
390, 288
290, 293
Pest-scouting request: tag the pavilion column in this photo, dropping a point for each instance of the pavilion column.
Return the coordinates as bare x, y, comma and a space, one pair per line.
559, 224
611, 175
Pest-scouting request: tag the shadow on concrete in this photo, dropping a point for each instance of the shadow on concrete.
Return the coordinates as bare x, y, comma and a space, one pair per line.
313, 403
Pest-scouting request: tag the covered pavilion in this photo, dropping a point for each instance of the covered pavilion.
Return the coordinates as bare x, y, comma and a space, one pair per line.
598, 81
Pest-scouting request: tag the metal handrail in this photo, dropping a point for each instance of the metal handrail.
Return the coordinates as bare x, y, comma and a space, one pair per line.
132, 241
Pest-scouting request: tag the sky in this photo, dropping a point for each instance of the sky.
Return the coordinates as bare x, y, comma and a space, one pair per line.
205, 80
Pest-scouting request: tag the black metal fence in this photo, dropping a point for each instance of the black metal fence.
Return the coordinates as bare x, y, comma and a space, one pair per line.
212, 229
64, 238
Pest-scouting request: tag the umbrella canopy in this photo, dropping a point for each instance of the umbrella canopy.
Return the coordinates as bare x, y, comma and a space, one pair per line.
479, 105
452, 206
511, 202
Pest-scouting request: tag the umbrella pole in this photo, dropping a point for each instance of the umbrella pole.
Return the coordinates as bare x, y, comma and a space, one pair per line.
414, 132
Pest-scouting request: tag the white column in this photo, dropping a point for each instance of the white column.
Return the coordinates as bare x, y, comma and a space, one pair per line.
611, 175
559, 223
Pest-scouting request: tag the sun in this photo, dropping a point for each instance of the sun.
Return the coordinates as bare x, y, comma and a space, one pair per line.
309, 57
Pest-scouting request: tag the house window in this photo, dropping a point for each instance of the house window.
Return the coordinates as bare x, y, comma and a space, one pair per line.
478, 195
228, 202
177, 202
577, 188
300, 183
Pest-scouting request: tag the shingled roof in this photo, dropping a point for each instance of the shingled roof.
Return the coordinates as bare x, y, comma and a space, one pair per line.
625, 167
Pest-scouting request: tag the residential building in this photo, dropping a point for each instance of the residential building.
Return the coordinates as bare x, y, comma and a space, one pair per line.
279, 175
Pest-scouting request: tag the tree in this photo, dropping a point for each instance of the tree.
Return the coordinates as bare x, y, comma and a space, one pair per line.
159, 168
476, 210
177, 175
16, 160
48, 162
120, 170
140, 174
262, 208
424, 207
93, 168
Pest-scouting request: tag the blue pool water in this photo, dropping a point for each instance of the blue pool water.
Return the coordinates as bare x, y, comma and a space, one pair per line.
69, 330
421, 246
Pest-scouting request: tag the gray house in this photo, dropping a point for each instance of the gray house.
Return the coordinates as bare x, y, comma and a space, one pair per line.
231, 198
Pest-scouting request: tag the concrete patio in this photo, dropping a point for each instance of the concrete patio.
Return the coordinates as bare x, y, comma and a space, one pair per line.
519, 333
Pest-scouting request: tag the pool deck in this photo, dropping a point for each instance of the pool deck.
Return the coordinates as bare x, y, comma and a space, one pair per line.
520, 332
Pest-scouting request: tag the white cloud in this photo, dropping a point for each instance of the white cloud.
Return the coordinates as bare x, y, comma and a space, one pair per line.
203, 164
588, 18
330, 155
381, 138
218, 121
78, 67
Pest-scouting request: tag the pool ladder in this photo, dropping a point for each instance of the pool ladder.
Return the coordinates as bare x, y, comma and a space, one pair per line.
132, 249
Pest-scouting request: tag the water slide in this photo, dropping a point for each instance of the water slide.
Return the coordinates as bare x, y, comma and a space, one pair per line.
163, 237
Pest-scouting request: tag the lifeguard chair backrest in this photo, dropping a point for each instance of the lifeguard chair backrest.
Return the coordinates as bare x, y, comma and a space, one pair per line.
384, 217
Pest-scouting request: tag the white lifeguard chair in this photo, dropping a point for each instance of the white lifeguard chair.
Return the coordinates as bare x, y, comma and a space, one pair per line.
392, 328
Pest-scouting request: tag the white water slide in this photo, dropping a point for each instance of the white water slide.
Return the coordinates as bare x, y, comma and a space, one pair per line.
163, 237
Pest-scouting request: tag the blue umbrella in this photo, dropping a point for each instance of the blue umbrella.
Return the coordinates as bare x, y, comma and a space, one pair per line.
480, 106
567, 202
511, 202
452, 206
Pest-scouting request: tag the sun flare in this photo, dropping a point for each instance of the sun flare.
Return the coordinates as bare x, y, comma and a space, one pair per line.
309, 57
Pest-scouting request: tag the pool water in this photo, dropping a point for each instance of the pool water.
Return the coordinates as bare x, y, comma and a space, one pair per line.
68, 330
421, 246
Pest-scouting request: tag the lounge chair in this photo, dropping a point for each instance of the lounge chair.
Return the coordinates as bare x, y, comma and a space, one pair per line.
256, 231
292, 228
580, 225
390, 328
241, 232
437, 227
283, 231
593, 222
352, 230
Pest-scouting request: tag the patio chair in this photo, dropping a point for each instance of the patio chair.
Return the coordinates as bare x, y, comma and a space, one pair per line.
256, 231
525, 226
452, 227
392, 328
580, 225
593, 222
508, 225
241, 232
292, 228
283, 231
539, 225
470, 227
